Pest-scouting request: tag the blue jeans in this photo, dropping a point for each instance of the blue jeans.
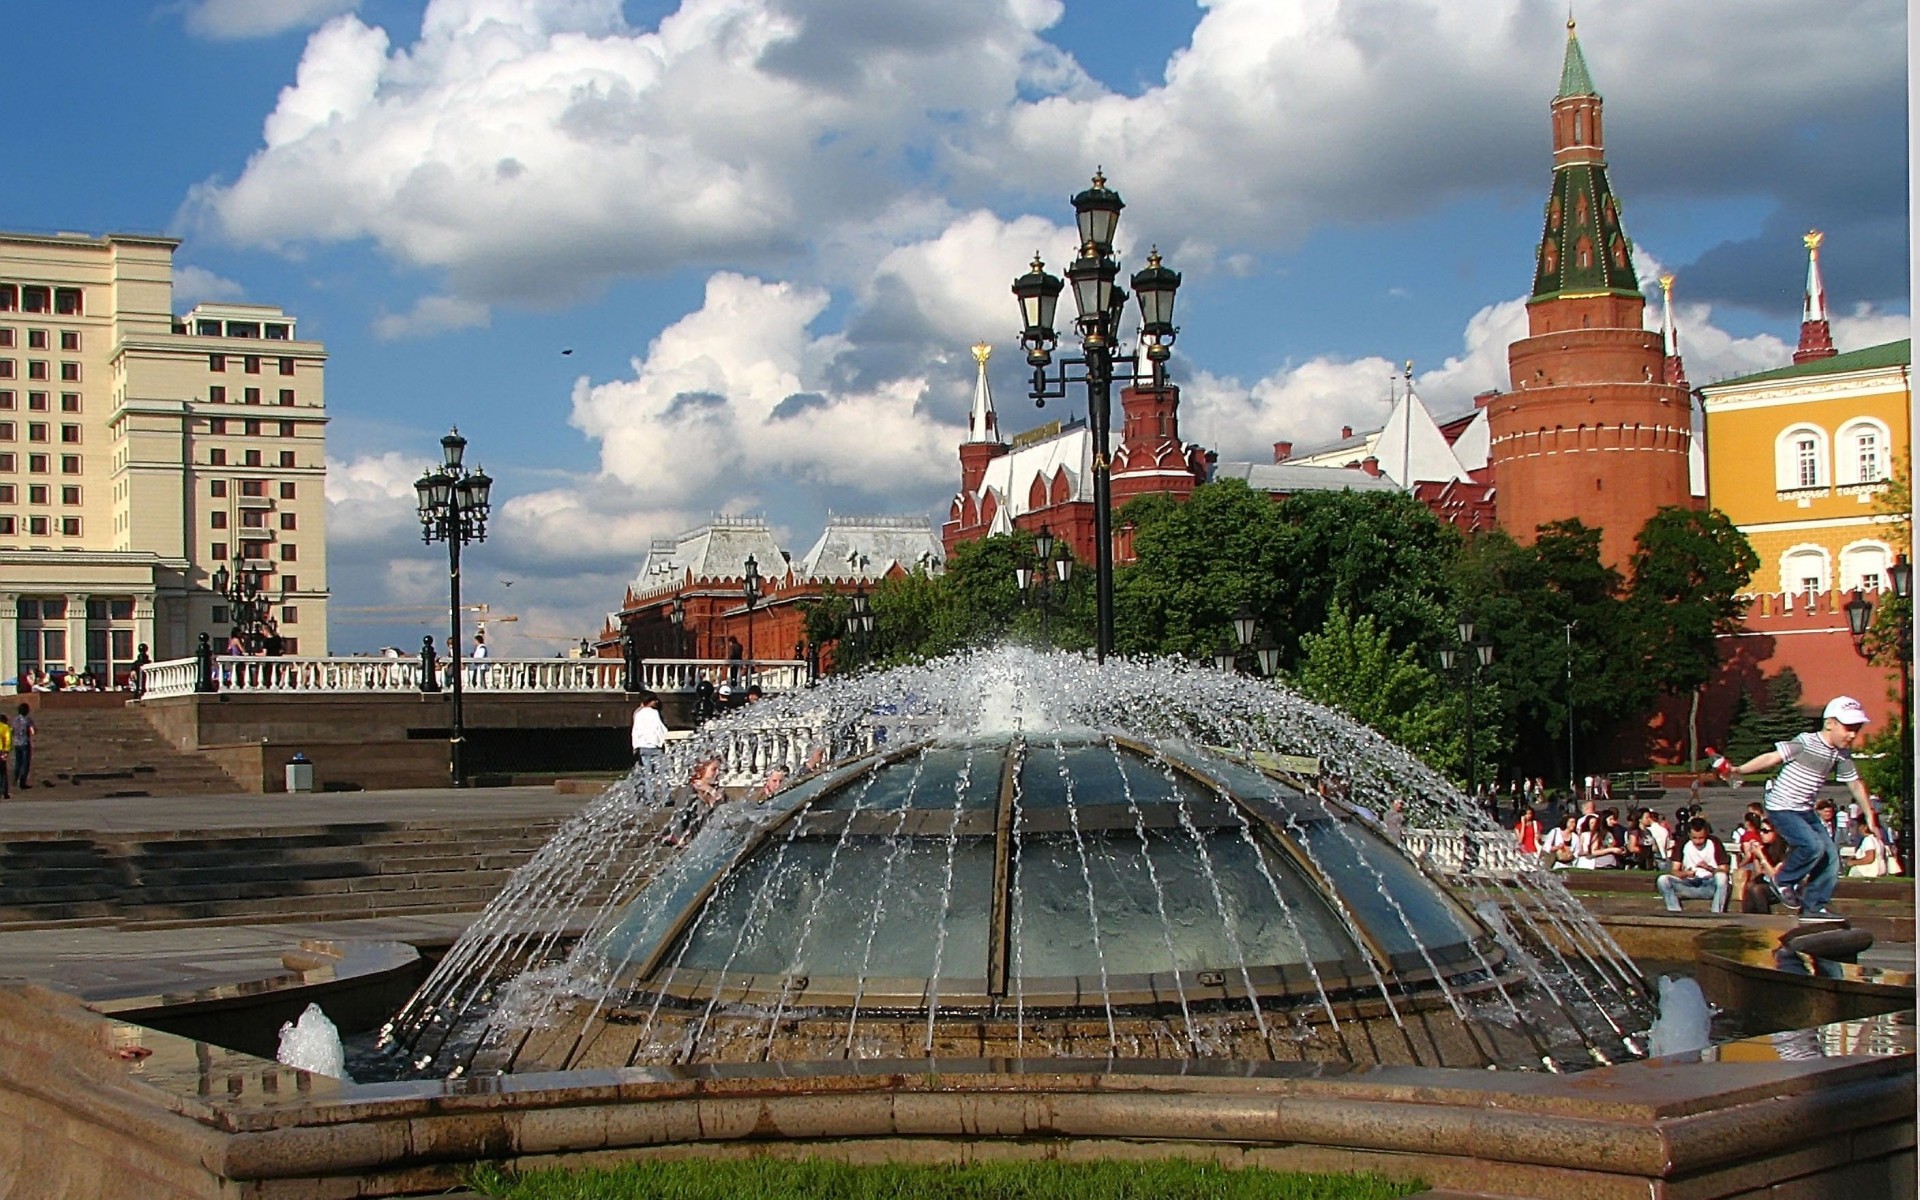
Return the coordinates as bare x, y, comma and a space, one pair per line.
1813, 861
1674, 889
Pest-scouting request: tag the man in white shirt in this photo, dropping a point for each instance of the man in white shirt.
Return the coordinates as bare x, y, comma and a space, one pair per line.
1698, 870
649, 731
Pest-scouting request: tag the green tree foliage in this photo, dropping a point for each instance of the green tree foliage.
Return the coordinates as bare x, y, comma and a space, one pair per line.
1197, 564
1553, 613
1777, 717
1351, 665
1688, 570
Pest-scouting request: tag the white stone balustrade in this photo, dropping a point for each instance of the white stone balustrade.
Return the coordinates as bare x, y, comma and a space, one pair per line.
1495, 852
355, 675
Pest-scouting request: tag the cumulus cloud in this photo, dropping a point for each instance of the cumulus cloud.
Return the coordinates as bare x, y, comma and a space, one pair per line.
193, 284
537, 149
231, 20
431, 315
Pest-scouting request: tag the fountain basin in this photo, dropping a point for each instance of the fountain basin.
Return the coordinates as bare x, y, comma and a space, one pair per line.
117, 1110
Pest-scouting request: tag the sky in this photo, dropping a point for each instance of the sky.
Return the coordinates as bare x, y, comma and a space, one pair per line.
660, 261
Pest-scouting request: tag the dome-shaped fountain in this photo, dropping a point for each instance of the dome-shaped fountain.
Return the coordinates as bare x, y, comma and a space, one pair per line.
1017, 855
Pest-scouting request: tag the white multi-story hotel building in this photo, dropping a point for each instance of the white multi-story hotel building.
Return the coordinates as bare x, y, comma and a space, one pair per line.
141, 451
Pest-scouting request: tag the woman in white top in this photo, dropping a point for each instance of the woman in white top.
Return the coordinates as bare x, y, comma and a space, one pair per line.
1869, 858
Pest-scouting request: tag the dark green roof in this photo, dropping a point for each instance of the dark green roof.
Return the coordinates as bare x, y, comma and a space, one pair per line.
1574, 80
1583, 219
1892, 354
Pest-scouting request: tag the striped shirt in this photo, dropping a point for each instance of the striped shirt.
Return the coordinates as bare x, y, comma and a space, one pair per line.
1808, 762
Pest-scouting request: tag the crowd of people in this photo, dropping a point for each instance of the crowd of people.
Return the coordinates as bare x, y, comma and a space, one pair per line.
1789, 849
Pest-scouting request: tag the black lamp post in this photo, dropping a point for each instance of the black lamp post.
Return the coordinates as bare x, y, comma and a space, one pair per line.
1266, 655
1479, 653
1039, 580
246, 603
678, 615
1101, 304
860, 619
1859, 611
454, 503
750, 588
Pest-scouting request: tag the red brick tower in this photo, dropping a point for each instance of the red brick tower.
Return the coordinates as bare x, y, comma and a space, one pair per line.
1592, 429
1150, 459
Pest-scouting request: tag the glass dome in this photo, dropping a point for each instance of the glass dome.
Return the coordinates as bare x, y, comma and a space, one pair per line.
1041, 873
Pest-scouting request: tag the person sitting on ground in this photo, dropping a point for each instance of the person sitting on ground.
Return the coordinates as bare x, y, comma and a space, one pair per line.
1698, 869
1658, 834
1597, 847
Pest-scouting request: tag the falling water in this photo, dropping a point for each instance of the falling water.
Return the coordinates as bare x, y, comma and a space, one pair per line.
589, 943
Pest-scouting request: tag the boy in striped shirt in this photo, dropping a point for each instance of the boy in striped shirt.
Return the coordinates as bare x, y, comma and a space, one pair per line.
1807, 878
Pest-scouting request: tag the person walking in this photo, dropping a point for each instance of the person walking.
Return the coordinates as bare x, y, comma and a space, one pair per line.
1805, 882
649, 731
22, 729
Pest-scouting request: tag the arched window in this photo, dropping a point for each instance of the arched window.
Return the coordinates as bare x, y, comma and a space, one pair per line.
1806, 570
1800, 458
1860, 452
1864, 564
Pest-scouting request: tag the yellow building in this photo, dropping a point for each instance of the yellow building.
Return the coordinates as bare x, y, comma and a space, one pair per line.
1798, 457
140, 452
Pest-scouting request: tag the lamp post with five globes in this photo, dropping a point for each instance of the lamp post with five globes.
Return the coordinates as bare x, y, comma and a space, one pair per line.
1099, 364
454, 503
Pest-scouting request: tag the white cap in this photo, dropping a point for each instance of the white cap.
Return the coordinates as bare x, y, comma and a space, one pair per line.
1846, 710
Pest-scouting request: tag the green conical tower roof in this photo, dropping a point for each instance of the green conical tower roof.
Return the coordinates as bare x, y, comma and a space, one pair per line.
1574, 80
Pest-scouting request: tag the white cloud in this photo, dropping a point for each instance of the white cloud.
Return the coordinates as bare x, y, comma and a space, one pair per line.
1867, 326
431, 315
369, 498
533, 149
193, 284
229, 20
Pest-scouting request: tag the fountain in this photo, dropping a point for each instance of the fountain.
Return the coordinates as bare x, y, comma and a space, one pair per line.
1008, 905
1143, 860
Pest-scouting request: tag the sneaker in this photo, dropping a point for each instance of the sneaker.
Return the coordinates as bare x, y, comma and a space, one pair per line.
1789, 894
1822, 913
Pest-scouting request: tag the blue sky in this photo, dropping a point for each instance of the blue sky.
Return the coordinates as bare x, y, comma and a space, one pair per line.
719, 205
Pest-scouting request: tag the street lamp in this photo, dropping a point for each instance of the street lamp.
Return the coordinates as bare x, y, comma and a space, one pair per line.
1266, 655
1479, 654
750, 588
1039, 581
860, 619
1101, 304
247, 604
678, 615
454, 503
1859, 611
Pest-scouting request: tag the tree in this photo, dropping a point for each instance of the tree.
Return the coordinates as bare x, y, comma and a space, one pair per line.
1689, 570
1759, 726
1196, 564
1351, 665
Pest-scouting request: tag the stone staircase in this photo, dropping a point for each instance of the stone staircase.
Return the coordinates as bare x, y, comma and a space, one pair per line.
84, 753
316, 873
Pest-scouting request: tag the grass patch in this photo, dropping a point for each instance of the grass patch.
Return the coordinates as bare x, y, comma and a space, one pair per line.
818, 1179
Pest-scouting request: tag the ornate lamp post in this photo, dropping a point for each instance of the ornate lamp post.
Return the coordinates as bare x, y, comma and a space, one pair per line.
678, 615
1039, 580
860, 620
1101, 305
246, 602
1859, 612
750, 588
1479, 653
1266, 655
454, 503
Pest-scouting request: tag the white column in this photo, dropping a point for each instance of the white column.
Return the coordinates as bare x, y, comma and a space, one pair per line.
76, 632
9, 635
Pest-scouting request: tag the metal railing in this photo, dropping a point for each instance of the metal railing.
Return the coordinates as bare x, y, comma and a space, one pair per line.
356, 675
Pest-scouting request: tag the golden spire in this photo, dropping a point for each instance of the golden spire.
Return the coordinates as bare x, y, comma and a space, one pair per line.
1666, 284
981, 352
1813, 239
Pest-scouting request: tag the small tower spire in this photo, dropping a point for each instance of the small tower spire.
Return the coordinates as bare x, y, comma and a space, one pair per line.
1816, 335
1676, 370
982, 424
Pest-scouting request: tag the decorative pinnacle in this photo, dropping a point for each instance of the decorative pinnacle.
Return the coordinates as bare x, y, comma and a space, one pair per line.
1153, 257
1038, 266
1813, 239
1666, 284
1100, 177
981, 352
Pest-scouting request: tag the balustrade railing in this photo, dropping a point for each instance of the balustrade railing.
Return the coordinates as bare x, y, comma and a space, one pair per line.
1487, 853
252, 674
